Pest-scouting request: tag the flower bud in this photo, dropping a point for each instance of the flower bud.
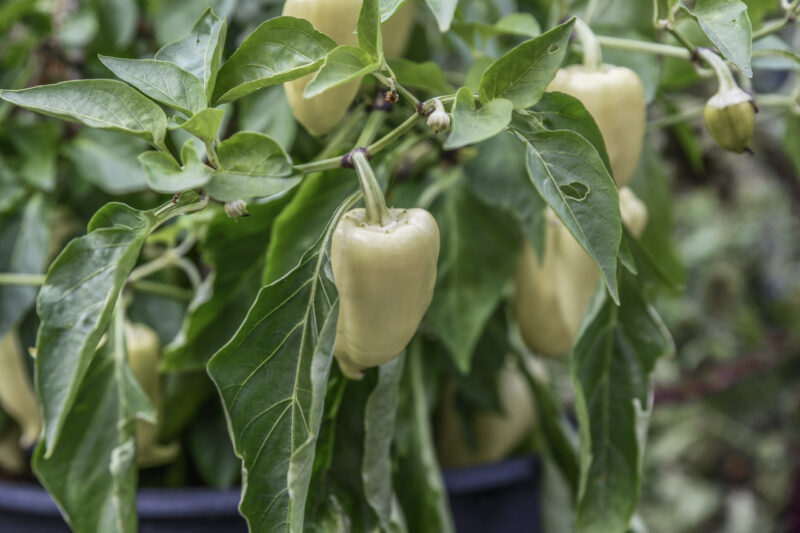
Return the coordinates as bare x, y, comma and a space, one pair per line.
439, 120
730, 119
236, 209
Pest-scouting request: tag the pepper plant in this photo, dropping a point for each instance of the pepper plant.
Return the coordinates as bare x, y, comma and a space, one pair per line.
308, 341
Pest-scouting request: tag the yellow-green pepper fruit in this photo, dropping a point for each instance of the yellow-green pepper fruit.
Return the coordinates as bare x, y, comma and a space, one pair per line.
536, 305
731, 119
496, 434
615, 97
144, 349
338, 19
385, 276
16, 389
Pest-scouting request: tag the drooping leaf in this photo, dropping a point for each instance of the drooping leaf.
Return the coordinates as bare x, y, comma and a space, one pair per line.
345, 63
728, 26
92, 472
571, 177
24, 240
200, 52
522, 74
163, 81
471, 125
379, 421
272, 378
251, 164
164, 174
279, 50
560, 111
78, 297
443, 11
614, 354
105, 104
479, 246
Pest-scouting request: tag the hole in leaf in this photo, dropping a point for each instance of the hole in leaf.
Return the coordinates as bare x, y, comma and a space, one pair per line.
575, 190
553, 48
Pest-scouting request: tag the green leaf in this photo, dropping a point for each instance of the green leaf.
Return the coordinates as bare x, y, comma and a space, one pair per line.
268, 112
572, 179
24, 241
727, 25
389, 7
427, 76
92, 473
272, 378
519, 24
235, 252
78, 297
211, 448
559, 111
105, 104
379, 420
443, 11
499, 177
471, 125
418, 479
343, 64
205, 124
299, 225
370, 39
108, 160
279, 50
522, 74
200, 52
251, 164
479, 247
165, 175
616, 350
162, 81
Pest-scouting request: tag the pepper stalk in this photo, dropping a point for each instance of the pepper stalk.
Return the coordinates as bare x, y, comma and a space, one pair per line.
592, 53
374, 201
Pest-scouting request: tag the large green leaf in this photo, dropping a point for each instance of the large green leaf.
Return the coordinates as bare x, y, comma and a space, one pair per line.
427, 76
343, 64
272, 378
279, 50
616, 350
92, 472
108, 160
522, 74
380, 414
200, 52
479, 246
471, 125
571, 177
369, 28
24, 239
418, 479
162, 81
251, 164
78, 297
105, 104
727, 25
235, 251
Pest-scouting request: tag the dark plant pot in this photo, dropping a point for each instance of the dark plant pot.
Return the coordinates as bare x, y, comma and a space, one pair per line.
498, 497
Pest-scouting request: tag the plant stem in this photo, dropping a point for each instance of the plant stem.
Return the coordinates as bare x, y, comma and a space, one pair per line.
377, 213
342, 133
683, 40
776, 25
675, 118
392, 84
645, 47
592, 55
591, 10
390, 137
724, 76
11, 278
211, 152
374, 122
163, 289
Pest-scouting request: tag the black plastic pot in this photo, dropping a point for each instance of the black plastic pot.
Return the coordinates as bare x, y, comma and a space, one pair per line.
498, 497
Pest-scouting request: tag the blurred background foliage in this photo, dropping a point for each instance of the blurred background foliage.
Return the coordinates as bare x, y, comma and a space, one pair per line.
723, 448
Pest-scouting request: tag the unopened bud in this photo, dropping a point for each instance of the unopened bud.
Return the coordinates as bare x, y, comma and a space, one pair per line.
236, 209
439, 120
